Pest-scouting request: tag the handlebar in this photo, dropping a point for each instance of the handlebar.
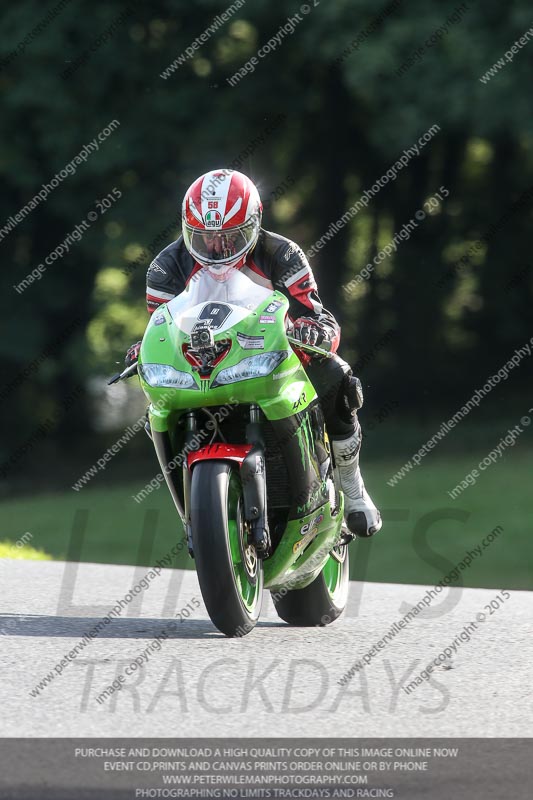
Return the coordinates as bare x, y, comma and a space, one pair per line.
310, 348
126, 373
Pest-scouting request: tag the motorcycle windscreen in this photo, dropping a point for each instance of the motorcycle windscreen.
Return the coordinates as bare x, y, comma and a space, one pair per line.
219, 304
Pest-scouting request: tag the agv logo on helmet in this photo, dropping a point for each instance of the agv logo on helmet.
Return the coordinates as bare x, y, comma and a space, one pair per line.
213, 219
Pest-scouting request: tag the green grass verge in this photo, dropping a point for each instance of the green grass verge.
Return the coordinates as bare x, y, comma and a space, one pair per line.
97, 525
421, 540
438, 531
10, 550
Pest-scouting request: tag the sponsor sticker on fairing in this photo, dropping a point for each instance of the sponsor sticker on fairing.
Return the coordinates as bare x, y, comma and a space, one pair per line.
310, 526
273, 307
265, 318
286, 373
251, 342
308, 532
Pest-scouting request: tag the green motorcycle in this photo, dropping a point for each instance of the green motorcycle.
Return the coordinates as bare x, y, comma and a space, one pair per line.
240, 437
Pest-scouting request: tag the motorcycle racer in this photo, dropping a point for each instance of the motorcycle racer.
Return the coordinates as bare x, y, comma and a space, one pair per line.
221, 232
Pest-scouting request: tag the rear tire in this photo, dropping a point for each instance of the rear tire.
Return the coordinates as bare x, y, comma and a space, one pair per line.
324, 600
229, 572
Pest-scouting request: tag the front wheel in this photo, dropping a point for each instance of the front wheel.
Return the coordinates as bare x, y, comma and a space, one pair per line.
323, 600
229, 572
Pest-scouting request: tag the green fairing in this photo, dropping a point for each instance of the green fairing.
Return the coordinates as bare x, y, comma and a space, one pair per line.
276, 397
300, 569
290, 566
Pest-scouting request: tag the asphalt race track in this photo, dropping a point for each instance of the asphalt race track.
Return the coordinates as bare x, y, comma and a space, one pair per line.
277, 681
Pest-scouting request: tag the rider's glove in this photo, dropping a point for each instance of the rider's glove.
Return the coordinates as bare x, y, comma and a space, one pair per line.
132, 354
310, 331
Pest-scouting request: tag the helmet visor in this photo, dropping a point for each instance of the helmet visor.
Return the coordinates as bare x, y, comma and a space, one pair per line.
220, 247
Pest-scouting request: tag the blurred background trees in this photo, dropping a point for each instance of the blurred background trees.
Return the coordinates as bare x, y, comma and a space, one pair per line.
344, 123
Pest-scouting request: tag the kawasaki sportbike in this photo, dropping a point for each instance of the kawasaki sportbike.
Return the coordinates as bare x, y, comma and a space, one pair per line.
240, 437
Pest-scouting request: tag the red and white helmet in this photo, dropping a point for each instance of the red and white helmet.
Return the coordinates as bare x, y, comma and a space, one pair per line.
221, 219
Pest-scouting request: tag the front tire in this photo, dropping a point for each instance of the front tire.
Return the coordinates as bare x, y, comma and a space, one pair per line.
229, 572
324, 600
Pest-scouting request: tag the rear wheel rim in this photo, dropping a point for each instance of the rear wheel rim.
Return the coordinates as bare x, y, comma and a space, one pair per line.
246, 566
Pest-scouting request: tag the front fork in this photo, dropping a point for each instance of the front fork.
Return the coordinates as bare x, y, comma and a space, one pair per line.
191, 427
254, 488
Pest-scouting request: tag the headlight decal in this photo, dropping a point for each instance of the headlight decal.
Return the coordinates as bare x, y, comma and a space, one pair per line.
258, 366
166, 376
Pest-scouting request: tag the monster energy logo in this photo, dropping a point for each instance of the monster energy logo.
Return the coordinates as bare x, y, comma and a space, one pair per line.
318, 494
